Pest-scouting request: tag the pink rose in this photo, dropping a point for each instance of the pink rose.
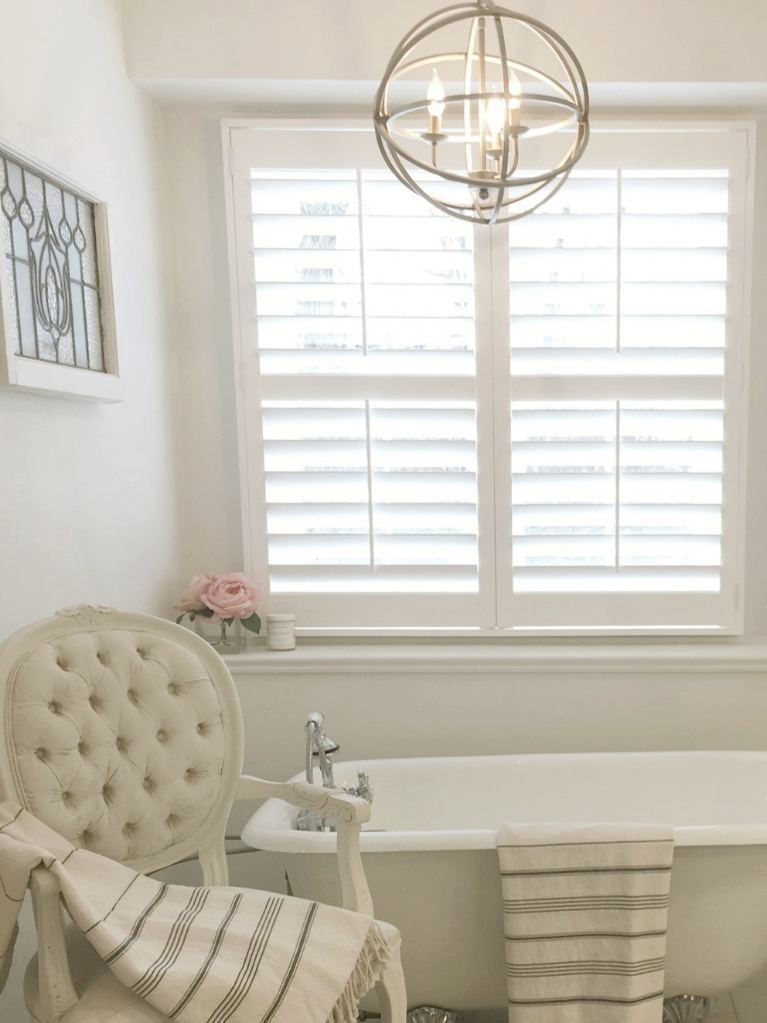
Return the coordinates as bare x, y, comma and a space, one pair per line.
191, 599
232, 595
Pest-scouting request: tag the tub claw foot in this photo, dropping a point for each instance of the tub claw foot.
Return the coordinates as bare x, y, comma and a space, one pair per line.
685, 1009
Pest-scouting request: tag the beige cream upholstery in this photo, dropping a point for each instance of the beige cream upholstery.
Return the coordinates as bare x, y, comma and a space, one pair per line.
118, 740
123, 733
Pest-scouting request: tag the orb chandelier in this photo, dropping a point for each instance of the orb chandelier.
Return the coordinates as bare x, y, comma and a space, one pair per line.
483, 112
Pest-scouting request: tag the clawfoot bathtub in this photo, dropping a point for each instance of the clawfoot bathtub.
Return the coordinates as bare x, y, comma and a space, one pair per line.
429, 854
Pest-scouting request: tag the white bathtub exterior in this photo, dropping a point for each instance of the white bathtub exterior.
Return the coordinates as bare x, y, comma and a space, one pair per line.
429, 854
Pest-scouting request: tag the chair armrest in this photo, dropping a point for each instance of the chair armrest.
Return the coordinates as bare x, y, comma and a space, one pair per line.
57, 993
349, 811
334, 803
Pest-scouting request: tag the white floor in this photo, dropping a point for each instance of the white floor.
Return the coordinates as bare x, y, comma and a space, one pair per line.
749, 1003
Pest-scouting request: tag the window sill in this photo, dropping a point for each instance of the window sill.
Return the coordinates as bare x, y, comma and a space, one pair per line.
461, 658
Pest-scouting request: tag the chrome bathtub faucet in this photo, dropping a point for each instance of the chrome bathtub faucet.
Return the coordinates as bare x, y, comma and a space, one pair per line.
323, 747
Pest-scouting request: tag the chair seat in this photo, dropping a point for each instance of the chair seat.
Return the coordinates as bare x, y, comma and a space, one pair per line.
103, 999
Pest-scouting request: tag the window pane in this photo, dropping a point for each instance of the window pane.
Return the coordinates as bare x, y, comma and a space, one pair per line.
50, 252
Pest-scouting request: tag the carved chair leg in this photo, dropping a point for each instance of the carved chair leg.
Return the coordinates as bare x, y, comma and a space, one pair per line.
56, 991
390, 991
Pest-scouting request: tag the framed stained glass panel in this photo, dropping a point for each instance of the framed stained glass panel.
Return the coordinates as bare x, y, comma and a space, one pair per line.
56, 313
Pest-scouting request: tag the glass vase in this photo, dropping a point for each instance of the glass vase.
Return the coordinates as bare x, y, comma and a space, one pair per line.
226, 637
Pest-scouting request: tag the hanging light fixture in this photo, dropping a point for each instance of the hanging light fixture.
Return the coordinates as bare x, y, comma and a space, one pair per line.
483, 112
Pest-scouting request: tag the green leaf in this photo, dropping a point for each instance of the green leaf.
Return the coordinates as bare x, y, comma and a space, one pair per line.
204, 612
180, 617
253, 623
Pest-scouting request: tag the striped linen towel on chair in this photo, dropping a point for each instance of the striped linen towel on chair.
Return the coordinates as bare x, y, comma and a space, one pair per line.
584, 911
200, 955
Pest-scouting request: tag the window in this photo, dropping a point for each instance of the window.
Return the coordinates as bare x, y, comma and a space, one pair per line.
537, 427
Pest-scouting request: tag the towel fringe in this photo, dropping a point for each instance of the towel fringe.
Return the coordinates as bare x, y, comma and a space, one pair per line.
373, 960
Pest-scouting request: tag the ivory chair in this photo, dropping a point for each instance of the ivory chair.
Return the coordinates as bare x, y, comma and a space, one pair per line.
123, 733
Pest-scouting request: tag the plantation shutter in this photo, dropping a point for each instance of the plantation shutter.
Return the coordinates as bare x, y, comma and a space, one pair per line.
625, 302
363, 304
534, 427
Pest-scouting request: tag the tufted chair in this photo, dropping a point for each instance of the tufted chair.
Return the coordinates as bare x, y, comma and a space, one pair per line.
123, 733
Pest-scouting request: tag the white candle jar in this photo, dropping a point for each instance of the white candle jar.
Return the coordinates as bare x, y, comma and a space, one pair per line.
281, 632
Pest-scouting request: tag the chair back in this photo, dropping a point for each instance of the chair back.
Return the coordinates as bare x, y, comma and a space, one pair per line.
122, 732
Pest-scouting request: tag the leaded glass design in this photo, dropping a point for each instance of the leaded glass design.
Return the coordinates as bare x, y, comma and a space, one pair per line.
49, 238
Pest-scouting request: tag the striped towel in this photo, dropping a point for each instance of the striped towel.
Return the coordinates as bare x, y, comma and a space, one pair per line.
584, 910
199, 955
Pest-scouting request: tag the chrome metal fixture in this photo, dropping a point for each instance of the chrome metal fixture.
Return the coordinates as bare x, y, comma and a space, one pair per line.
486, 128
323, 747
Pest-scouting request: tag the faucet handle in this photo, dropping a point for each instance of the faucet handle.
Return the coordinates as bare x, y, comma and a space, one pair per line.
362, 789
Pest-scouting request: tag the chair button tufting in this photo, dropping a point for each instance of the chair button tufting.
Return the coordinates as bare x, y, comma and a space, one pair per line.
173, 688
172, 820
82, 748
121, 744
162, 736
41, 754
66, 795
54, 707
202, 728
149, 785
133, 696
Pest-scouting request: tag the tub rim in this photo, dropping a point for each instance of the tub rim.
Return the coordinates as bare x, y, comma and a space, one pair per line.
272, 827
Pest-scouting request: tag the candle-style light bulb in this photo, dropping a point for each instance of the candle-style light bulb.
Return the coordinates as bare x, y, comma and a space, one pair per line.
495, 115
495, 119
435, 94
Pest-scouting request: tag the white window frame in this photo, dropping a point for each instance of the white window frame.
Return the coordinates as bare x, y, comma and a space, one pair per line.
444, 614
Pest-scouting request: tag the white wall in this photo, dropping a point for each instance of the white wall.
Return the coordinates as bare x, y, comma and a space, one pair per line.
88, 509
453, 702
351, 40
88, 492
